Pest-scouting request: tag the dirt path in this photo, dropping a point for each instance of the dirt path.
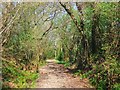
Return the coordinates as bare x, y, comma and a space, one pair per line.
56, 76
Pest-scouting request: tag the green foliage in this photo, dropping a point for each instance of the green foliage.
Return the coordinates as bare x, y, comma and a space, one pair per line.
26, 81
61, 62
116, 86
96, 50
50, 54
21, 52
60, 56
87, 36
106, 74
16, 78
65, 63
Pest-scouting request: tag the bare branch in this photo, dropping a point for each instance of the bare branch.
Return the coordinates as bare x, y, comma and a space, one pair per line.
11, 21
51, 17
47, 30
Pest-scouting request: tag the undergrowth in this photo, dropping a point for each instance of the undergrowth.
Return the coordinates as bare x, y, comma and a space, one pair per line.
14, 77
103, 76
65, 63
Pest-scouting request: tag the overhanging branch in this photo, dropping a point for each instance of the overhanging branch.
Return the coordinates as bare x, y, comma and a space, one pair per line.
47, 31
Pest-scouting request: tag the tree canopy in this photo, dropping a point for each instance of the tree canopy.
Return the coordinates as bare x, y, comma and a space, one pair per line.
84, 35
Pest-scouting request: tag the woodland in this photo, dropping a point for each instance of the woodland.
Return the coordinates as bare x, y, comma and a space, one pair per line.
83, 36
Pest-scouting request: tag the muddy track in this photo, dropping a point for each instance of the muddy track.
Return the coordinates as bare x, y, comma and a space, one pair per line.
54, 75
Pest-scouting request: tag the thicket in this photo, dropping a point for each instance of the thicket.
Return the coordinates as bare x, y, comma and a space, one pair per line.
20, 50
94, 50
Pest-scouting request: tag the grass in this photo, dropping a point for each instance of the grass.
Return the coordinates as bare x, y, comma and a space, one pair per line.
65, 63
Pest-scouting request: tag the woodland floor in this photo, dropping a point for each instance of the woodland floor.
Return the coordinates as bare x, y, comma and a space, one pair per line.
54, 75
